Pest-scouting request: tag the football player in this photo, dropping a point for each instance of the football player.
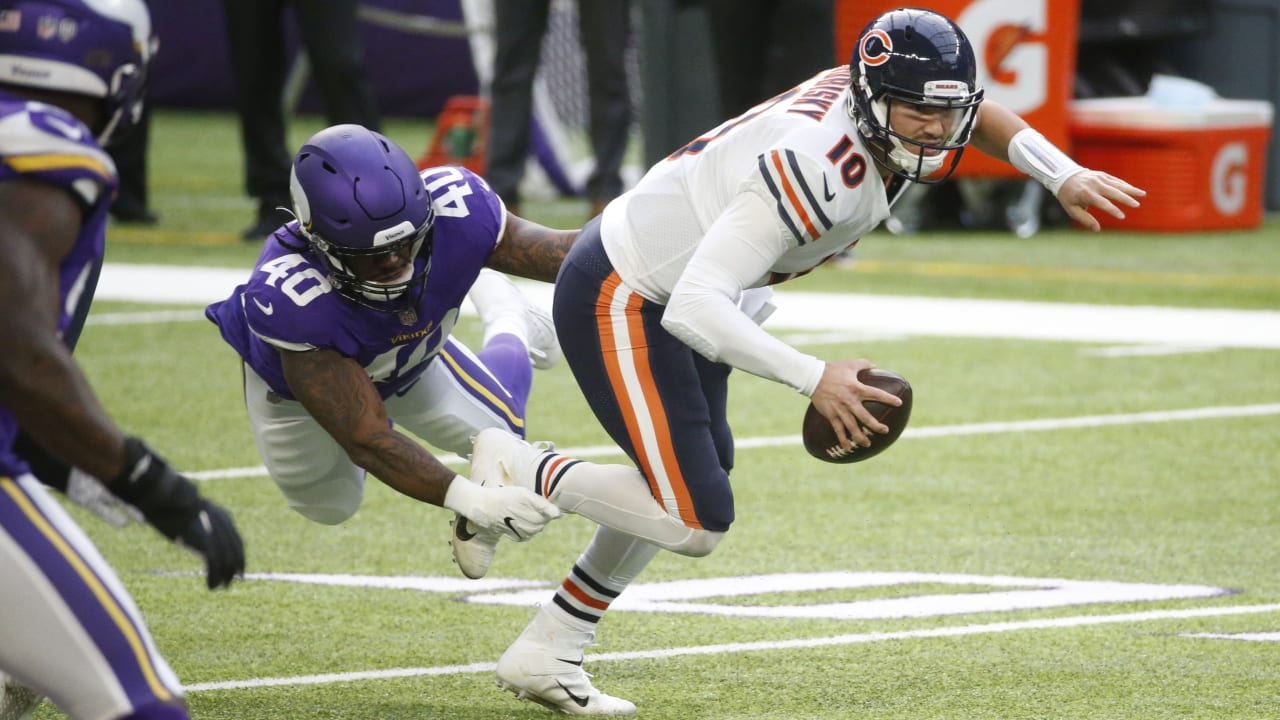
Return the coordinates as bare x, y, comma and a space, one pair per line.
664, 293
72, 79
344, 326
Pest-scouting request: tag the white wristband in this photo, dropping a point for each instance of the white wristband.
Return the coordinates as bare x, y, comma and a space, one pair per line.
461, 496
1034, 155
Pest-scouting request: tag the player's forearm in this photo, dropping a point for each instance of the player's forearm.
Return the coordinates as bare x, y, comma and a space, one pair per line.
995, 127
403, 465
47, 393
531, 250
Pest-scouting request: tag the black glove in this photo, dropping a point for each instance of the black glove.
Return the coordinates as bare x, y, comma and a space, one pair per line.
172, 504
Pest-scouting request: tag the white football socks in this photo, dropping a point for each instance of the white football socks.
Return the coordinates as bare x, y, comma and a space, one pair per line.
617, 496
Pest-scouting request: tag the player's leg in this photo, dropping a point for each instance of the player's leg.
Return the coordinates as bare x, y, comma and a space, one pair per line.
70, 630
457, 396
318, 479
544, 664
516, 330
646, 388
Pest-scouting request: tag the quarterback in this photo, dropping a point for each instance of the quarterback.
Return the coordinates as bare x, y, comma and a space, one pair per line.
663, 295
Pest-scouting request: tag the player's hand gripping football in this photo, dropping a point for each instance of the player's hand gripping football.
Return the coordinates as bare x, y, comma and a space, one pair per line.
172, 504
1093, 188
839, 398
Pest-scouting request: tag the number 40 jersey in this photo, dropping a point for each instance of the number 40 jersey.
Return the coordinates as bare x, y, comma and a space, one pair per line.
290, 304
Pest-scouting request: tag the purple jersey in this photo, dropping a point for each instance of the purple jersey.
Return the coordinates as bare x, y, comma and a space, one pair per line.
45, 143
289, 303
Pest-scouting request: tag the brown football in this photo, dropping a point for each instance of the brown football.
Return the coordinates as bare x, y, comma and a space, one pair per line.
821, 442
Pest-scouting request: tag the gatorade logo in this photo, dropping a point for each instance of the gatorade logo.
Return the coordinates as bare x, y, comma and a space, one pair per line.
1229, 182
1009, 38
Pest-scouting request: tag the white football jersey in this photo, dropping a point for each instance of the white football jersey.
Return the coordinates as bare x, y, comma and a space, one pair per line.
799, 151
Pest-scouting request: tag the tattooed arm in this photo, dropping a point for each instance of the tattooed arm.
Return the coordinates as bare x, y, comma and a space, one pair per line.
339, 395
531, 250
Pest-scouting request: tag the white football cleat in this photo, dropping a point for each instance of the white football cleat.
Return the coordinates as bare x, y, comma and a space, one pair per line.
473, 547
544, 345
504, 457
545, 666
501, 304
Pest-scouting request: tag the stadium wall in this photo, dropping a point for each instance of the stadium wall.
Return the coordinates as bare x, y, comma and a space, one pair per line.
412, 73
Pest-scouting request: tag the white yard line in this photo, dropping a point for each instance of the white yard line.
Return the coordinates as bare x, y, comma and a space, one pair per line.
871, 315
1084, 421
767, 645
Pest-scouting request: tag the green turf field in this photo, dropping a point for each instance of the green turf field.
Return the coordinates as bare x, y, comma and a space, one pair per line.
1068, 530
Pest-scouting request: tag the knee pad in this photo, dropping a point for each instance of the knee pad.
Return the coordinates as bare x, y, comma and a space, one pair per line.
324, 514
698, 543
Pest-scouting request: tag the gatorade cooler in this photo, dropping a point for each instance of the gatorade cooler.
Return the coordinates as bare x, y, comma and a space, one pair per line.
1026, 52
1203, 167
462, 135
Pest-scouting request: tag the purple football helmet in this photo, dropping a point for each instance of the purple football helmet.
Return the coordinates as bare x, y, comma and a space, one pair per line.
359, 197
98, 48
914, 56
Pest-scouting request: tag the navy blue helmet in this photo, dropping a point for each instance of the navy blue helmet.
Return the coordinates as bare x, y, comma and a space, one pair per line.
918, 57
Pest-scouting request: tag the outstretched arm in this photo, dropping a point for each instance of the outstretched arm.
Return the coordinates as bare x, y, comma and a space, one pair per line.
338, 393
531, 250
1001, 133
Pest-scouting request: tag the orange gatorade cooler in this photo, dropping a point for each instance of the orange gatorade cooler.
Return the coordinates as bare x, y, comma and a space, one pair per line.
1203, 165
1026, 52
462, 135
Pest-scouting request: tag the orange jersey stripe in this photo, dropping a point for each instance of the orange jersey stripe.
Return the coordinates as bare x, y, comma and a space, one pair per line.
609, 350
791, 195
661, 430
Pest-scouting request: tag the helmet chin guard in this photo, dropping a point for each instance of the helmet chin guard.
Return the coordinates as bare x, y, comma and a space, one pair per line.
921, 59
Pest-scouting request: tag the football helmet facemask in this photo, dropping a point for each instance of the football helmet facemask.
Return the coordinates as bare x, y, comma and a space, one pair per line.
919, 58
98, 48
359, 200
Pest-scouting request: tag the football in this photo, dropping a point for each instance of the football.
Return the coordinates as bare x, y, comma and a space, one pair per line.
821, 441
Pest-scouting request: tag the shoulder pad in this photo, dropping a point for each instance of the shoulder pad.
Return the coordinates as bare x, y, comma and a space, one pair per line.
46, 142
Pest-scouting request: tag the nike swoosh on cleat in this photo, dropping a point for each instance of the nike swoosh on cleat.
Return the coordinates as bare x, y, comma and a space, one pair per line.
509, 522
582, 701
571, 662
461, 531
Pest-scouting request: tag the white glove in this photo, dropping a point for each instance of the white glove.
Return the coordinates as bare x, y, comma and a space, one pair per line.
513, 511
